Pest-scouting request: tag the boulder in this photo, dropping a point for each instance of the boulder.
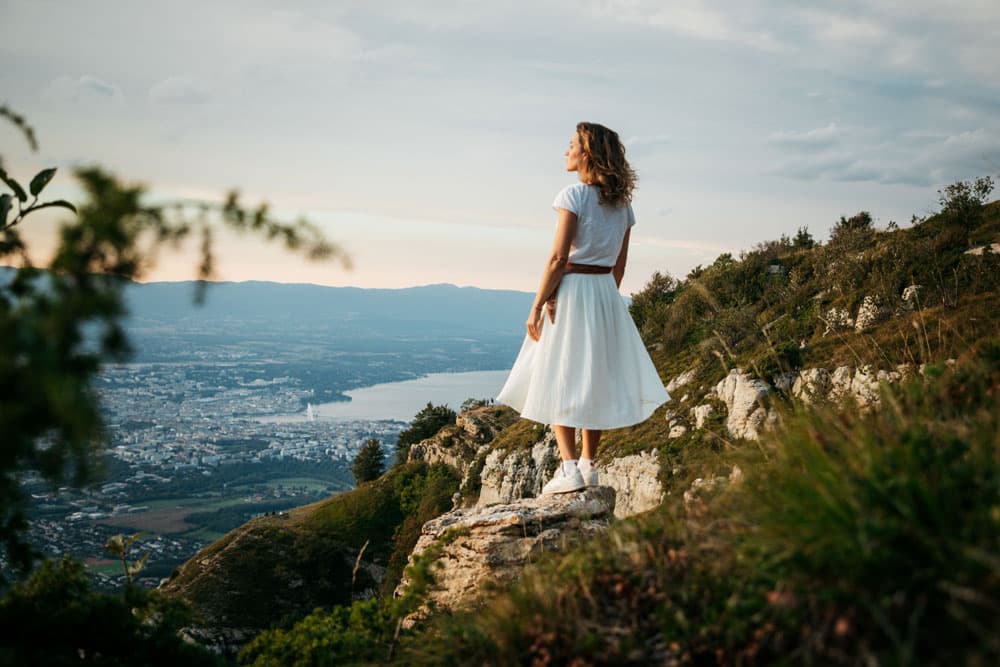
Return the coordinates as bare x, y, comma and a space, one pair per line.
870, 312
812, 385
701, 414
681, 380
511, 475
474, 549
635, 479
743, 395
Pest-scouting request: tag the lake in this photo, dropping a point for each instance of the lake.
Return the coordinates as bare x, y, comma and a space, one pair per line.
402, 400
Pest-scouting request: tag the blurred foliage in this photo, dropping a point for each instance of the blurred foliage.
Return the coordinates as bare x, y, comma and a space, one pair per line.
119, 545
53, 618
58, 324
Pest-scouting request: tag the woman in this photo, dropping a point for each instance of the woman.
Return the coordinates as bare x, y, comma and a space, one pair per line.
586, 367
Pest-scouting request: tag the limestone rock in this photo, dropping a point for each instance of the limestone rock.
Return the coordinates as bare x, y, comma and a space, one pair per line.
635, 479
701, 414
743, 395
457, 445
699, 487
870, 312
993, 248
511, 475
911, 296
681, 380
492, 545
812, 385
837, 319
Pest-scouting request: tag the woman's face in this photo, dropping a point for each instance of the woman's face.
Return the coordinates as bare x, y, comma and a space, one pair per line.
574, 154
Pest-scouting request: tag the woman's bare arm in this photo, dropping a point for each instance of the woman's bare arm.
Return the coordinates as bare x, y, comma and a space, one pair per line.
619, 269
554, 269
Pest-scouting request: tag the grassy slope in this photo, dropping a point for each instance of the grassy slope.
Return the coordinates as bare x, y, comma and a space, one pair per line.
275, 568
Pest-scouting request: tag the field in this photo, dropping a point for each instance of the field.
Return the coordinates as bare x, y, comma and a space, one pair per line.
168, 515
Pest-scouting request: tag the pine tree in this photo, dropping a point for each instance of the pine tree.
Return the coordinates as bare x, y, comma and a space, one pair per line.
369, 464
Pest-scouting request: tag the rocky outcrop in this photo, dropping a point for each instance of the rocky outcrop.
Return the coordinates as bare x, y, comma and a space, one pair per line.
993, 248
508, 476
744, 397
635, 479
845, 382
470, 549
458, 445
684, 378
521, 473
870, 313
701, 414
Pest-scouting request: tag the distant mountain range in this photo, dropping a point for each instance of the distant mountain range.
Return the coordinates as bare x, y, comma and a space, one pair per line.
441, 309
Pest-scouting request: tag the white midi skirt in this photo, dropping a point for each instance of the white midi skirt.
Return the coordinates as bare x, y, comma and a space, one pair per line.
590, 368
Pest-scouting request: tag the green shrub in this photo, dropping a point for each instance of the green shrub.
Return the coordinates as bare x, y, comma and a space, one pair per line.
358, 633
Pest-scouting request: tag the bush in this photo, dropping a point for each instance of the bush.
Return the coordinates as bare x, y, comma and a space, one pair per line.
649, 304
53, 618
349, 634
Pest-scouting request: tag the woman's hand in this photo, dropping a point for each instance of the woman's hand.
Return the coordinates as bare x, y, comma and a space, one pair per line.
534, 323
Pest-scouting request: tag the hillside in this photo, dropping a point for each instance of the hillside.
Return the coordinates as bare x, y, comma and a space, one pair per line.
279, 567
819, 488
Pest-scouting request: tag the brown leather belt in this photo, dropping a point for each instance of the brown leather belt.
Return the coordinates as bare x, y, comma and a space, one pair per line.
586, 268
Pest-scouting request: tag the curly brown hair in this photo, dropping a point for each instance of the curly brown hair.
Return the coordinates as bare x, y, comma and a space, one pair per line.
605, 165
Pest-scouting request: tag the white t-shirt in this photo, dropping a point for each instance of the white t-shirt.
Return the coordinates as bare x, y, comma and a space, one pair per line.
599, 228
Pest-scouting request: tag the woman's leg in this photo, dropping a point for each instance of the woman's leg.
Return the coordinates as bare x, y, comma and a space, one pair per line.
591, 438
566, 439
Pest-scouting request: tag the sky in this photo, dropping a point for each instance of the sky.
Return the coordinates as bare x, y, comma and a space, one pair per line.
427, 138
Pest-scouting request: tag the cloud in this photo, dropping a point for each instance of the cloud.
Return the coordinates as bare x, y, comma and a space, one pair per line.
647, 140
687, 245
689, 18
82, 89
917, 158
820, 137
180, 89
291, 35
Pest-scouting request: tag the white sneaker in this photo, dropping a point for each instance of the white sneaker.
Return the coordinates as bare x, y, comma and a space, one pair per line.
563, 482
590, 477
